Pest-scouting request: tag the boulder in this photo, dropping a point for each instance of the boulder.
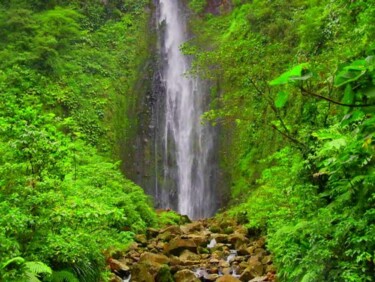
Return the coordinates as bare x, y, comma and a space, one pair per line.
188, 255
220, 238
115, 278
141, 238
185, 275
116, 265
243, 251
228, 278
164, 275
255, 269
173, 229
177, 246
267, 259
246, 275
152, 232
154, 258
259, 279
140, 273
237, 240
192, 227
199, 239
211, 277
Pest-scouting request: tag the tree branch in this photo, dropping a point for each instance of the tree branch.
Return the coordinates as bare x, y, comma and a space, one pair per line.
333, 101
300, 144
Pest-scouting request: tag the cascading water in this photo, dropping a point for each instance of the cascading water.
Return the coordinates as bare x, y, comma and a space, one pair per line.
185, 145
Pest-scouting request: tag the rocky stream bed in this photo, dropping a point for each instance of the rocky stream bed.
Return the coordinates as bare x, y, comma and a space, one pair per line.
203, 250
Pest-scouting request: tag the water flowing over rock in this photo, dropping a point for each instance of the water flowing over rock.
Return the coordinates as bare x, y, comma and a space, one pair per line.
185, 165
191, 257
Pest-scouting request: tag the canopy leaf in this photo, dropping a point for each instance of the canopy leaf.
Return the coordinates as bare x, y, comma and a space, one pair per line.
281, 99
299, 72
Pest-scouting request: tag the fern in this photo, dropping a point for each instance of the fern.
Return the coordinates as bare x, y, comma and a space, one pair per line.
17, 260
63, 276
37, 267
31, 277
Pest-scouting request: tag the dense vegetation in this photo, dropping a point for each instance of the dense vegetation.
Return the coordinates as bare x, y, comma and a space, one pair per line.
66, 74
292, 85
293, 90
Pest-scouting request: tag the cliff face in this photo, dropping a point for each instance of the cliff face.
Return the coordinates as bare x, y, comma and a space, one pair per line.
218, 6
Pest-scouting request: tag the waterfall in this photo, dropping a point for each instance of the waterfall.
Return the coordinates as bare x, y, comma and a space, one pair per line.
185, 145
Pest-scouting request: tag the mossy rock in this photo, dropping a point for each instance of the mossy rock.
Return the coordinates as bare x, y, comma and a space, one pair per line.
228, 230
215, 229
164, 275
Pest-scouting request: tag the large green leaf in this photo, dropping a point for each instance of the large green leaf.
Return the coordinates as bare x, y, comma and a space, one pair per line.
296, 73
281, 99
351, 73
348, 95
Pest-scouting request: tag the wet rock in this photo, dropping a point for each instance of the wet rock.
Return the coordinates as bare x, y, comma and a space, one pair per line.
223, 264
187, 255
141, 238
228, 230
115, 278
152, 232
200, 239
119, 267
182, 251
260, 243
270, 268
177, 246
154, 258
255, 267
173, 229
192, 227
251, 250
237, 240
164, 275
267, 259
140, 273
246, 275
243, 251
214, 261
259, 279
212, 277
160, 246
241, 230
221, 238
227, 223
166, 236
185, 275
215, 229
228, 278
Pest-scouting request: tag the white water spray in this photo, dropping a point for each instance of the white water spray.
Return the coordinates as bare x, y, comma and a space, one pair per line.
190, 141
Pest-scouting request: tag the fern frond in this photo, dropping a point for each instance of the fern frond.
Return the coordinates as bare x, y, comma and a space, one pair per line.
37, 267
17, 260
31, 277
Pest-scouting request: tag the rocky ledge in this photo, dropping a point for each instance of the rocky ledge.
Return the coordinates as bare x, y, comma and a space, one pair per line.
203, 250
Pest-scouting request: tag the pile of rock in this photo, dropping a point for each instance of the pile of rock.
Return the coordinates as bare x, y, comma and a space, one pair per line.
205, 250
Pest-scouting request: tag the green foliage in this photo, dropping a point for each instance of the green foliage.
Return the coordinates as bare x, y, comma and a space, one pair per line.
63, 276
64, 67
166, 218
21, 270
197, 6
298, 147
281, 99
295, 74
354, 71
